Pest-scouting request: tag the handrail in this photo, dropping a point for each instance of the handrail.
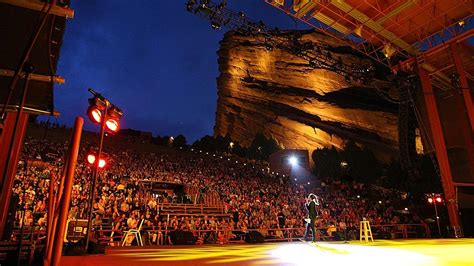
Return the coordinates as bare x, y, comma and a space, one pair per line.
289, 234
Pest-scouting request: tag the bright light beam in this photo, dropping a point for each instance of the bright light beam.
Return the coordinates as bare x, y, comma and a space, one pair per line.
293, 160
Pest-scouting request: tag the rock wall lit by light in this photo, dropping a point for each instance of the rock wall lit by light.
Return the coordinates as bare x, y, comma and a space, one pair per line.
278, 94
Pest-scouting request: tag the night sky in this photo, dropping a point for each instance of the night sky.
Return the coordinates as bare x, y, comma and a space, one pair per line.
152, 58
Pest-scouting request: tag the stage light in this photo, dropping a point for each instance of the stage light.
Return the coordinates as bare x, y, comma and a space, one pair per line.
388, 50
293, 160
309, 183
102, 163
94, 114
215, 25
358, 196
438, 199
91, 158
268, 46
358, 30
380, 202
112, 125
430, 200
406, 209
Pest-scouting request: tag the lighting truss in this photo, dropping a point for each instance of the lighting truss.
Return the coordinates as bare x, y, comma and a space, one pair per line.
317, 55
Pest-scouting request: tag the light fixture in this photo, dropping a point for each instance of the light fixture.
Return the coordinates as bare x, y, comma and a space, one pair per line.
215, 25
293, 160
91, 160
94, 114
112, 125
388, 50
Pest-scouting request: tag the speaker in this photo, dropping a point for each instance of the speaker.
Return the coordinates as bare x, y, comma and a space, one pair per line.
77, 248
182, 238
254, 237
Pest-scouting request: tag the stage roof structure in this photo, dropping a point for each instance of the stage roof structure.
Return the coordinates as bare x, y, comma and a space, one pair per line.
396, 33
19, 20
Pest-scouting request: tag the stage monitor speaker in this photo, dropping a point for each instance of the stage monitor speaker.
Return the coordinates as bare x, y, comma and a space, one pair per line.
254, 237
182, 238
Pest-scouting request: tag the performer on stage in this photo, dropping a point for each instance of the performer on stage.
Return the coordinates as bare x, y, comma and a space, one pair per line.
311, 203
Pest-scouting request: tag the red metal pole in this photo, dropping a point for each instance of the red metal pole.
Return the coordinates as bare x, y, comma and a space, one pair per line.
66, 198
51, 216
464, 85
440, 147
9, 168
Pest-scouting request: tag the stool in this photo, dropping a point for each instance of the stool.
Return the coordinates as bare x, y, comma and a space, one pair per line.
365, 231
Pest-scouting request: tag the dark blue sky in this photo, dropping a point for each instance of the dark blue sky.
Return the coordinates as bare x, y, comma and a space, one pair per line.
151, 58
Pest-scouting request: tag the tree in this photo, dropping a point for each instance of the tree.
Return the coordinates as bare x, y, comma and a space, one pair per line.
179, 141
262, 147
327, 163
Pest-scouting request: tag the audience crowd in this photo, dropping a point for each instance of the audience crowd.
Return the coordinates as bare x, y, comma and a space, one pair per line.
250, 195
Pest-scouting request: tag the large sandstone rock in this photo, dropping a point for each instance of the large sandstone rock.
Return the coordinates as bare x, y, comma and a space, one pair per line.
280, 95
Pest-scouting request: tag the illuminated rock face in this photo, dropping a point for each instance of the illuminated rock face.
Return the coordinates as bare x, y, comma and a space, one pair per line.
281, 96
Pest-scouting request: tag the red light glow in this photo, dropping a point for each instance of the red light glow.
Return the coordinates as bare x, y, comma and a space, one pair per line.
94, 114
91, 158
112, 125
102, 163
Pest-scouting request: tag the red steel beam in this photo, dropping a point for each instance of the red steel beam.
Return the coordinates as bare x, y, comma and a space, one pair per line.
10, 168
464, 85
441, 46
440, 147
65, 200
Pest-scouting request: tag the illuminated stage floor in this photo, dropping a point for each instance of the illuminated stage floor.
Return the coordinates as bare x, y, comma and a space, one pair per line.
381, 252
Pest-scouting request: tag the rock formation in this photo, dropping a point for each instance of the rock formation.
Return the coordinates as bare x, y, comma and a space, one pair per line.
281, 96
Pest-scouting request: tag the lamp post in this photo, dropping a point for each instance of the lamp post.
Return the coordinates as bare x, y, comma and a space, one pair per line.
435, 199
99, 110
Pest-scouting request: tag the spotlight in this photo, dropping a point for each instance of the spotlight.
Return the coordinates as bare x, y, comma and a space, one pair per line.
293, 160
94, 114
215, 25
430, 200
112, 125
388, 50
102, 163
268, 46
91, 158
438, 199
190, 5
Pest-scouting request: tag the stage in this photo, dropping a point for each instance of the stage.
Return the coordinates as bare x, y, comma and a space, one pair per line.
382, 252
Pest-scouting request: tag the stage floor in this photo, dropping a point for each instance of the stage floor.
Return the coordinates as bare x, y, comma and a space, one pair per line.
382, 252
